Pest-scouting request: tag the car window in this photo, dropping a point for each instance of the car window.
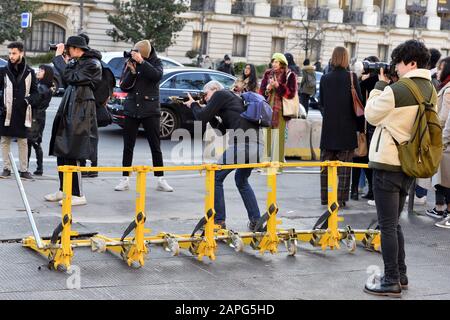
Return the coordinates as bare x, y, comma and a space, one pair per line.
224, 80
168, 64
187, 81
116, 65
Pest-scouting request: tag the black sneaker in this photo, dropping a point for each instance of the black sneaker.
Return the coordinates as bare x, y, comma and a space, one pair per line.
93, 174
221, 224
368, 196
436, 214
379, 287
84, 174
6, 173
404, 281
26, 175
38, 173
354, 196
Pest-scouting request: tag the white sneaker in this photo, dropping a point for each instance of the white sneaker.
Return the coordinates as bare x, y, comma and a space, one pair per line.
163, 186
123, 185
53, 197
371, 203
419, 201
77, 201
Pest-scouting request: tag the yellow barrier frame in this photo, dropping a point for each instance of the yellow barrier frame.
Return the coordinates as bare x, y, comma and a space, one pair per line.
134, 249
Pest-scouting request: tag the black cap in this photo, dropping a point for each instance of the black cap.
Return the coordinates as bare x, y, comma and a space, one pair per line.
226, 57
77, 42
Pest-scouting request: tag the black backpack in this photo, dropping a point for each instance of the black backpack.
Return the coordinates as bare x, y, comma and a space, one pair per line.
102, 92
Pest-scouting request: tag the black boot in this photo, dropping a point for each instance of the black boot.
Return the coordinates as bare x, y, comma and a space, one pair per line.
379, 287
354, 193
39, 161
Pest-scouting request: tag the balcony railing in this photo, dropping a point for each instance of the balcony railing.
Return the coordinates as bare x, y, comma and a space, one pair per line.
387, 19
203, 5
418, 22
243, 8
281, 11
317, 14
355, 17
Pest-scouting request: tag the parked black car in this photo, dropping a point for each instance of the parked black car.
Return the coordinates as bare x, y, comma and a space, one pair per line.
176, 82
314, 100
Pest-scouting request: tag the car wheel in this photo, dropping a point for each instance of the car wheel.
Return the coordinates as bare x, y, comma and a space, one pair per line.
169, 123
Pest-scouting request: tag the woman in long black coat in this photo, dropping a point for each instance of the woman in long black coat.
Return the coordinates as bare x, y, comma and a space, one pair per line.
74, 131
339, 127
45, 78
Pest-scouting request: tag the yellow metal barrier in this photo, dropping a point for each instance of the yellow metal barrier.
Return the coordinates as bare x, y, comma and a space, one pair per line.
326, 234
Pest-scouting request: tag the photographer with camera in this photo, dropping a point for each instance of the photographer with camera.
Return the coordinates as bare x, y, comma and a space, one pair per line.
393, 110
74, 133
140, 79
245, 146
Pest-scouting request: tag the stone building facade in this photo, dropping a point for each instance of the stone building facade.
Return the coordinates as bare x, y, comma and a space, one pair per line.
252, 30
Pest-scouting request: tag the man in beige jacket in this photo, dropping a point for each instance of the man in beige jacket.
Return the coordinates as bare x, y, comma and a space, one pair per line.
392, 109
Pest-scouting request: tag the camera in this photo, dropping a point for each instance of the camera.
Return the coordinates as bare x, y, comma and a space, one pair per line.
127, 54
52, 47
374, 67
199, 97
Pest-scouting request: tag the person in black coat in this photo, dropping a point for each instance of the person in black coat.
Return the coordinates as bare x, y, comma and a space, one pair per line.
244, 146
367, 84
140, 79
45, 80
226, 66
18, 93
74, 132
339, 127
103, 91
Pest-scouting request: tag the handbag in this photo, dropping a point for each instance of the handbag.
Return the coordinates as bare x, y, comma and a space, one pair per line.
361, 150
104, 117
357, 104
291, 107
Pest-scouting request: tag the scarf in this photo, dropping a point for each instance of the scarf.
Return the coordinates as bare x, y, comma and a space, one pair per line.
8, 97
443, 83
275, 100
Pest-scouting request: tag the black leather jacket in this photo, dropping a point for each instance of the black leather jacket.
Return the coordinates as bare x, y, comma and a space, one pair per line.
143, 88
74, 132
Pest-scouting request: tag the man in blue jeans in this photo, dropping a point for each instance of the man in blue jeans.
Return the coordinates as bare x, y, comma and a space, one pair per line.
244, 146
393, 109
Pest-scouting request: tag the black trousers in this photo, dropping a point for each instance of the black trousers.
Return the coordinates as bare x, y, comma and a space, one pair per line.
343, 174
130, 130
75, 176
304, 100
442, 195
39, 154
356, 174
390, 191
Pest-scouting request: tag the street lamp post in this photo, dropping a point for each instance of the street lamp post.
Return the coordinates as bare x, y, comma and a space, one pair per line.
202, 23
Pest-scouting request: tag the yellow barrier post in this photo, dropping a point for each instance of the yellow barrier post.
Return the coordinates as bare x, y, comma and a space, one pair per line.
138, 250
332, 237
64, 255
270, 240
208, 245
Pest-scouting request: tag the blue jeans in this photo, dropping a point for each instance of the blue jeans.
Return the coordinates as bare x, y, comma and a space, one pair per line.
246, 191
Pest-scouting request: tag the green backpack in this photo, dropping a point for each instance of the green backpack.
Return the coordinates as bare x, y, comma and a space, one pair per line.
421, 155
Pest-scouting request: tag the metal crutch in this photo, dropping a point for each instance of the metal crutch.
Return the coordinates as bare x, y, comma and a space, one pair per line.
37, 237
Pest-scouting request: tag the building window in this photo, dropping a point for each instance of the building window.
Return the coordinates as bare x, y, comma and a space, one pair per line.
278, 44
239, 45
383, 52
351, 47
316, 46
445, 52
197, 42
42, 34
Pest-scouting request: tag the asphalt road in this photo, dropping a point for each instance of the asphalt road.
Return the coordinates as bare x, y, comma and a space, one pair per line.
311, 274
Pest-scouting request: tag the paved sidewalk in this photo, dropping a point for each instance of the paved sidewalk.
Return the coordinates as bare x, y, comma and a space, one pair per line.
312, 274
